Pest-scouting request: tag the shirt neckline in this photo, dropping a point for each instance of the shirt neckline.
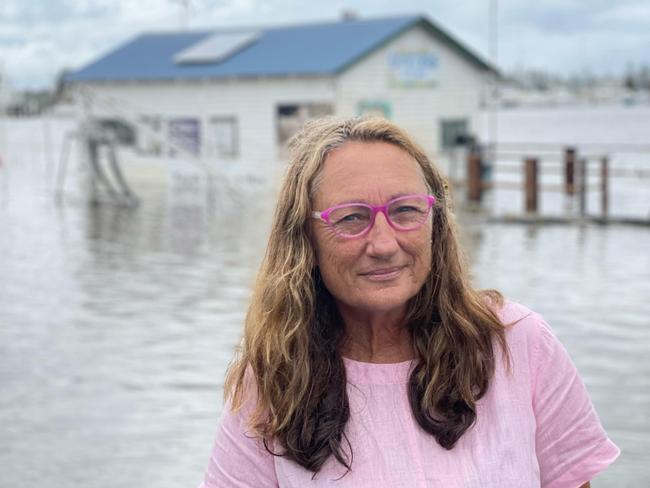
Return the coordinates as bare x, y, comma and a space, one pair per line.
362, 373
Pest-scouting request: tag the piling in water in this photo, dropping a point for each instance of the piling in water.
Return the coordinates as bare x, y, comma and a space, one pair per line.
569, 170
531, 180
604, 187
582, 182
474, 183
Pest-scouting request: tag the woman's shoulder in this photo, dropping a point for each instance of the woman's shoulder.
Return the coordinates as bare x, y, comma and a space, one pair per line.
513, 314
570, 443
510, 312
524, 327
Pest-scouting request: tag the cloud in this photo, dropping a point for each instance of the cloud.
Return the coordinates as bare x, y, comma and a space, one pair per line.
627, 16
40, 37
52, 12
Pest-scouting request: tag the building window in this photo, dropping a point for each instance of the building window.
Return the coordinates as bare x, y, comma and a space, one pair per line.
225, 134
184, 136
453, 132
291, 117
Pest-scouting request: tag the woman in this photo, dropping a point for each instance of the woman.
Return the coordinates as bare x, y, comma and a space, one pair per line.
369, 360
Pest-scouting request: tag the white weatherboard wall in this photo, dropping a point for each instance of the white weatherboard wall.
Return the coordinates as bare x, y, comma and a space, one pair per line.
252, 102
459, 86
457, 93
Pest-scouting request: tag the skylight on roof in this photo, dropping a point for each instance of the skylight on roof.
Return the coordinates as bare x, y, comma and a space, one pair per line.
215, 48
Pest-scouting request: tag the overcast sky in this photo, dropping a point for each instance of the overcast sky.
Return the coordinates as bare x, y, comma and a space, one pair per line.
38, 38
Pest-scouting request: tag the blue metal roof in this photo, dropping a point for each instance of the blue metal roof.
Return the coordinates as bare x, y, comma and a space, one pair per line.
308, 50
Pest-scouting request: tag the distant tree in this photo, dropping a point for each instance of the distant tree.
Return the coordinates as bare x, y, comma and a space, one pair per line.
643, 80
540, 80
61, 85
630, 79
629, 82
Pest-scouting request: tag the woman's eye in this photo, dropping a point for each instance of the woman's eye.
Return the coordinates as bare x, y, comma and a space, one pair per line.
406, 208
350, 218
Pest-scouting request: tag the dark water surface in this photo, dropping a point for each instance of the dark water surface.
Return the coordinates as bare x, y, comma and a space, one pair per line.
117, 324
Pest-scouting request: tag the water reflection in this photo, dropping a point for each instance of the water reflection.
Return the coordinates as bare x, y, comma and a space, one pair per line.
117, 324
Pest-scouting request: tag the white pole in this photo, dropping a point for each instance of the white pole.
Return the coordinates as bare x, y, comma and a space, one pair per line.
493, 97
4, 173
184, 13
3, 153
47, 149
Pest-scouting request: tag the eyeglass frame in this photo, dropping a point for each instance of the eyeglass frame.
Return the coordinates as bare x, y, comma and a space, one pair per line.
323, 215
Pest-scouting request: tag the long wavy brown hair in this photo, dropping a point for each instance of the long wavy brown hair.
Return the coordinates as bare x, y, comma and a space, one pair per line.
289, 361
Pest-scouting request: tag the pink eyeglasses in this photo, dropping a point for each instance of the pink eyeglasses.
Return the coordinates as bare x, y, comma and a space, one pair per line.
352, 220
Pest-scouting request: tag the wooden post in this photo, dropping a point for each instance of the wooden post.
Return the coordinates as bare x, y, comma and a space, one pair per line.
604, 186
531, 184
474, 189
569, 170
582, 179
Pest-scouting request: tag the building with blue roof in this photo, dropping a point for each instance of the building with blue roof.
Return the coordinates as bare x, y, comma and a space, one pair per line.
233, 97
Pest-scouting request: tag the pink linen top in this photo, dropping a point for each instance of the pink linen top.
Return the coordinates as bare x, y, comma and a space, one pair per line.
535, 426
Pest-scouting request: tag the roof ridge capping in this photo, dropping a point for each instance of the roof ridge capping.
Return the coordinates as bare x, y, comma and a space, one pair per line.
216, 47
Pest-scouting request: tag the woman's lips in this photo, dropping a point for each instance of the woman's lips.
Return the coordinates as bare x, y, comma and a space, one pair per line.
383, 274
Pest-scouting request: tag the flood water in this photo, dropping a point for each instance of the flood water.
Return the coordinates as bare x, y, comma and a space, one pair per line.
117, 324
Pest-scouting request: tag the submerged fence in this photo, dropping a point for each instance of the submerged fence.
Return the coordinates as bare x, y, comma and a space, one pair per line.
575, 172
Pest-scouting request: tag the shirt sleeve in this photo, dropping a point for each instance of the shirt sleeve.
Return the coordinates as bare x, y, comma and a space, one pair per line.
571, 445
239, 460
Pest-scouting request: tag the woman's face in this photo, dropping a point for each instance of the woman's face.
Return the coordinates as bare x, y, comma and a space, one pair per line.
382, 270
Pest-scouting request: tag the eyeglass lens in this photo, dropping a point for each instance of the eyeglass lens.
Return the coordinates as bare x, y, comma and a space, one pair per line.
403, 213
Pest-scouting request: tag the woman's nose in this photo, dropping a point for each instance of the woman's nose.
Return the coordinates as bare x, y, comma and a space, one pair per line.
382, 240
